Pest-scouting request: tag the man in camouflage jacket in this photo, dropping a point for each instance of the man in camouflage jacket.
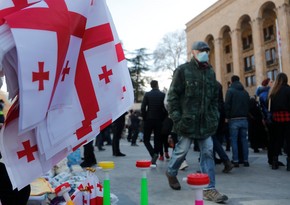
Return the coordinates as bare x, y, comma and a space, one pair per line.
193, 107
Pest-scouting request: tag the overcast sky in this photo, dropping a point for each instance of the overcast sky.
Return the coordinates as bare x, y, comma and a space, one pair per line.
143, 23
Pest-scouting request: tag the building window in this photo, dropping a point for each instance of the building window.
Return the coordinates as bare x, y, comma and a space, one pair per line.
269, 33
250, 81
228, 49
270, 55
272, 74
229, 67
249, 63
247, 42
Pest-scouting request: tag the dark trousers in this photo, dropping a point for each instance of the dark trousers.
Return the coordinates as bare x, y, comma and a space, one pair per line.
8, 196
117, 135
155, 126
164, 144
129, 137
134, 137
89, 155
99, 141
279, 134
217, 148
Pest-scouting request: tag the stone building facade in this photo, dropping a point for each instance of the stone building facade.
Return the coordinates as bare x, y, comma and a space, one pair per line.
242, 35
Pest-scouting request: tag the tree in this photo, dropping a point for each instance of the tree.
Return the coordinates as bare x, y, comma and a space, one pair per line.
137, 66
171, 51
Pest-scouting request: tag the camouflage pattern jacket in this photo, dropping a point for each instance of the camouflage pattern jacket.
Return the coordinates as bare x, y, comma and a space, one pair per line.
193, 100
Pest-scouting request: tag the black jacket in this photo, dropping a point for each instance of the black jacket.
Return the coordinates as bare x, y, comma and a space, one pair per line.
281, 101
237, 101
153, 105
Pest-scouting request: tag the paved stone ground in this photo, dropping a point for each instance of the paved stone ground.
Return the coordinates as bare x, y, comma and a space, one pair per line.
254, 185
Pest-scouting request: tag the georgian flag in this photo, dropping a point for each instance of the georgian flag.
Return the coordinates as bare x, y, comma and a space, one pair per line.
110, 76
65, 106
20, 152
90, 191
73, 81
44, 33
36, 75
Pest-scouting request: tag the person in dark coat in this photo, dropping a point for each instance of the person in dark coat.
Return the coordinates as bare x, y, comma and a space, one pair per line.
153, 113
237, 110
135, 125
279, 101
257, 133
167, 125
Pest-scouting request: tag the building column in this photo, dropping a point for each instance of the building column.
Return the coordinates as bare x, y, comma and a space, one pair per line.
219, 69
236, 51
284, 25
259, 52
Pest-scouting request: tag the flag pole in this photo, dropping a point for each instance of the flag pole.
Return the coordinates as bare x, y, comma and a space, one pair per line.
278, 37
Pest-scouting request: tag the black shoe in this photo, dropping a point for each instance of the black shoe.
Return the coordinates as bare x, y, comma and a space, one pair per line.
246, 164
228, 166
256, 150
236, 164
173, 182
281, 164
154, 159
275, 164
134, 144
102, 149
120, 154
217, 161
87, 164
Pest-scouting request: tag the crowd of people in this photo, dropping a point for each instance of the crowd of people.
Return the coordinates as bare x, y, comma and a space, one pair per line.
194, 111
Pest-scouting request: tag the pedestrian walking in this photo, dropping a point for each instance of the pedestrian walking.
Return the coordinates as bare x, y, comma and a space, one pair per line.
193, 107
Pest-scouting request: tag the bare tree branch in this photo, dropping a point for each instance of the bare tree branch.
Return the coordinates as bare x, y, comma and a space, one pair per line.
171, 51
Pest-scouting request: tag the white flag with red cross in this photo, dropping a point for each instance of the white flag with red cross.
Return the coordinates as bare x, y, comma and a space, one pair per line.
20, 152
44, 33
108, 68
73, 80
90, 191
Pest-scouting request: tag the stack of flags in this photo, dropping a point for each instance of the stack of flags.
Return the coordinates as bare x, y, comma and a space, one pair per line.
68, 78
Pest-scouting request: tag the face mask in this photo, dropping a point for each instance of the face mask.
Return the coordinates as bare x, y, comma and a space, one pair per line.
202, 56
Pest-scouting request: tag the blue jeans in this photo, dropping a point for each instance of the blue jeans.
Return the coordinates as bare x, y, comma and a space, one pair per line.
206, 157
239, 129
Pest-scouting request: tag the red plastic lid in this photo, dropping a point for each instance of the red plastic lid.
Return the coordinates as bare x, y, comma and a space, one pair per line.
143, 163
60, 187
197, 179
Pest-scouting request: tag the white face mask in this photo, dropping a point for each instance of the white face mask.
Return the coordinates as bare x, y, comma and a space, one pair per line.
202, 57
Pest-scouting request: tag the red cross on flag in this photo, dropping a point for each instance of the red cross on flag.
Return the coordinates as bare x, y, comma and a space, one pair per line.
89, 191
73, 81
